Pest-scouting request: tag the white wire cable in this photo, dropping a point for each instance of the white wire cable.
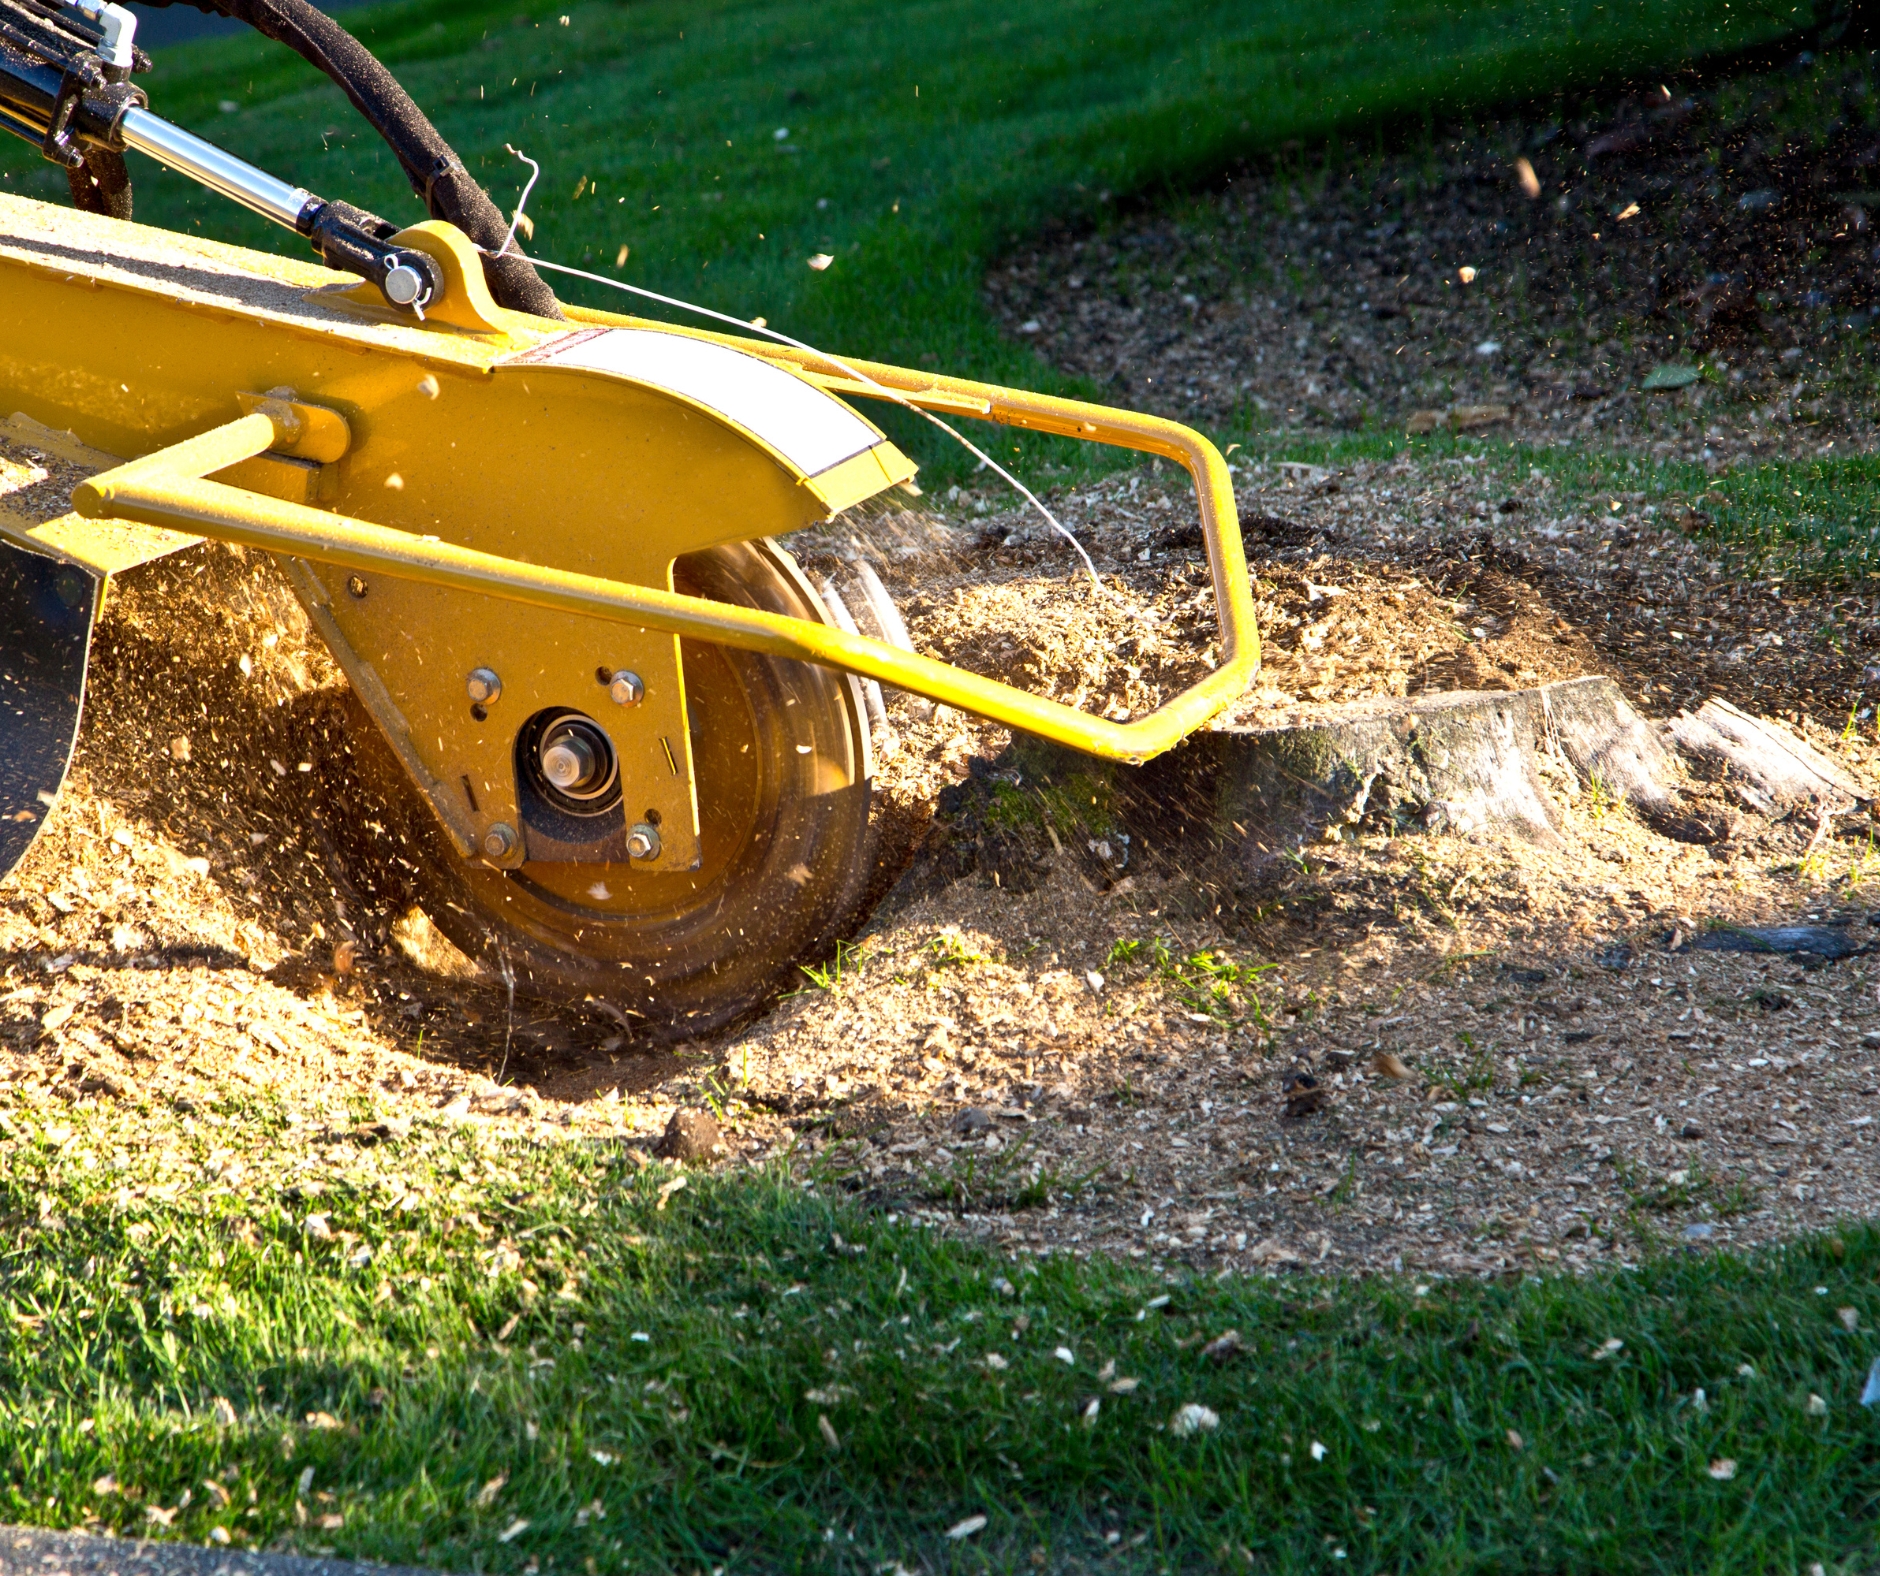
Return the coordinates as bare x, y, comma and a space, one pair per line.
535, 174
784, 339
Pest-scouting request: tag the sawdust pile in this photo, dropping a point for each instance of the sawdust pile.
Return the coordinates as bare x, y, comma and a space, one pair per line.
203, 914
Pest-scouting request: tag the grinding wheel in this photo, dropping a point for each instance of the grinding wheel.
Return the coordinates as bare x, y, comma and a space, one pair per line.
783, 767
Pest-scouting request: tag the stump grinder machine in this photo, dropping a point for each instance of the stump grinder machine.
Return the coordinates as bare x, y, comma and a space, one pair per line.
538, 539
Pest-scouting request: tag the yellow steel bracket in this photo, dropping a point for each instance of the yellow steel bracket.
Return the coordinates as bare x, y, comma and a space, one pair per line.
168, 488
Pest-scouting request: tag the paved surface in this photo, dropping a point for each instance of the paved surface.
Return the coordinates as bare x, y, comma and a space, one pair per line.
26, 1551
180, 23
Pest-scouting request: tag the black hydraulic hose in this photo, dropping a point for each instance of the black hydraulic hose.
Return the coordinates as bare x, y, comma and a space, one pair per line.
435, 172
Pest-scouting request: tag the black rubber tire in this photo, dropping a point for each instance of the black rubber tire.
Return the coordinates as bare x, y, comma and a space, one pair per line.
787, 846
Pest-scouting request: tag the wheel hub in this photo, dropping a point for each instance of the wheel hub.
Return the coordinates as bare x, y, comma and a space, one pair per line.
572, 762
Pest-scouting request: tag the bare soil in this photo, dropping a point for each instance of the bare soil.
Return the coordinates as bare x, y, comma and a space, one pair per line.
1730, 221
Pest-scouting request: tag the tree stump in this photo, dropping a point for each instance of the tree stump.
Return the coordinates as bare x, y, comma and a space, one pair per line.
1462, 762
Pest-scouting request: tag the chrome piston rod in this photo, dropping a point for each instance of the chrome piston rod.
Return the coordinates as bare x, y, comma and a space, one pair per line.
221, 172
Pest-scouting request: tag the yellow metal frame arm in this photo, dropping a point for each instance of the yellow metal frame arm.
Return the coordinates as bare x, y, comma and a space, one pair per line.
1068, 418
167, 488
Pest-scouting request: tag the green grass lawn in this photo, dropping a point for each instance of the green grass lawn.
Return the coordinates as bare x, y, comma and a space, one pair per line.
482, 1352
921, 136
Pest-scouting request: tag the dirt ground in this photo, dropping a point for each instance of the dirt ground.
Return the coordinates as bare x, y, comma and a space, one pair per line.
1521, 1054
1732, 221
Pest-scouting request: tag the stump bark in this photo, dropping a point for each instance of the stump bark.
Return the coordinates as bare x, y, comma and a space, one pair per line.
1767, 767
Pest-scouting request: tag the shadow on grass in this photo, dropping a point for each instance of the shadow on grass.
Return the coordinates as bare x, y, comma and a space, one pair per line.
474, 1353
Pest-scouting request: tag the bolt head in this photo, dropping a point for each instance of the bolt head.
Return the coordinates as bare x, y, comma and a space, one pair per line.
643, 841
499, 841
627, 689
484, 686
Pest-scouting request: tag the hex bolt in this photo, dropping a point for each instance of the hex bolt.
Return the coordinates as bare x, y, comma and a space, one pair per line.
643, 841
499, 841
626, 688
484, 686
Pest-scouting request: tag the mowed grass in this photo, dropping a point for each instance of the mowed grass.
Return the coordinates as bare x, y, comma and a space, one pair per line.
921, 137
480, 1352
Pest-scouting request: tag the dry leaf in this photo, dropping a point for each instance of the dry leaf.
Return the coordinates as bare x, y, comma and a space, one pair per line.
1225, 1345
1193, 1418
966, 1528
828, 1430
1466, 417
514, 1530
1723, 1469
486, 1495
1390, 1065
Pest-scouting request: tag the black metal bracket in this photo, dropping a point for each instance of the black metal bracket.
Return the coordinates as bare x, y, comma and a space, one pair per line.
60, 146
344, 246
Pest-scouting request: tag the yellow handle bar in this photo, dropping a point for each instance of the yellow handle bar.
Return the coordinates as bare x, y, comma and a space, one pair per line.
167, 488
